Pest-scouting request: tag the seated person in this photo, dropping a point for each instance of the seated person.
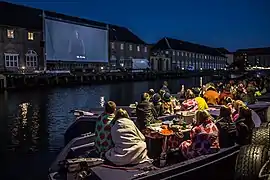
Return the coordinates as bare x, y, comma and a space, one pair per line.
203, 137
225, 94
236, 106
167, 105
145, 111
211, 96
202, 105
226, 127
165, 87
157, 101
249, 97
244, 125
190, 104
151, 93
129, 143
103, 140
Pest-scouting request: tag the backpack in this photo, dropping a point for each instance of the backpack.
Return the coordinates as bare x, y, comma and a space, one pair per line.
243, 133
227, 133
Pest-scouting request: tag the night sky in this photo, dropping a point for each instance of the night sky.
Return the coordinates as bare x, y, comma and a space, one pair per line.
232, 24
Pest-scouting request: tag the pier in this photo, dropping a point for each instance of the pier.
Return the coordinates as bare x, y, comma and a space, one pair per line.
27, 81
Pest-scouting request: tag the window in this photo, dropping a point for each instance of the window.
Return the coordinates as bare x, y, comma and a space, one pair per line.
193, 55
145, 49
130, 47
11, 60
178, 53
122, 61
167, 52
31, 59
182, 53
30, 36
112, 45
138, 48
10, 33
173, 53
122, 46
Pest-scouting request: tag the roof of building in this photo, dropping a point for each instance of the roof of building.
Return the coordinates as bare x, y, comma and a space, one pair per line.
254, 51
31, 18
170, 43
223, 50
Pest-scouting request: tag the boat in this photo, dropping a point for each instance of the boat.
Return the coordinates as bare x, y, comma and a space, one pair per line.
78, 160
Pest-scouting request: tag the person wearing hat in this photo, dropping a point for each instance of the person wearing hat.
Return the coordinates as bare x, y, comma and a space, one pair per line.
224, 95
145, 111
167, 105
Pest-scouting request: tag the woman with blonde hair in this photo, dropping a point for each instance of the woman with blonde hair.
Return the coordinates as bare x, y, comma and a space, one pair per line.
203, 137
236, 107
129, 143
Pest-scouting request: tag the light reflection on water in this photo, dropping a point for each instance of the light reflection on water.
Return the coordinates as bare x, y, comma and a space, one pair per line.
33, 123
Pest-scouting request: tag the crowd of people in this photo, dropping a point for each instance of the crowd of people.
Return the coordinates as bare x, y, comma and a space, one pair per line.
121, 141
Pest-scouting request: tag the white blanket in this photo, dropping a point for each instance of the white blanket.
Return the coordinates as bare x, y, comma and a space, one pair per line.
129, 144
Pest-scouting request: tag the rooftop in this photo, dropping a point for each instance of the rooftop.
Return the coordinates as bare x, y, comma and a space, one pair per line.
254, 51
170, 43
31, 18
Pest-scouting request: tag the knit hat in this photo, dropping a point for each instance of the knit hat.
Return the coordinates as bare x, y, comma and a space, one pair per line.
167, 97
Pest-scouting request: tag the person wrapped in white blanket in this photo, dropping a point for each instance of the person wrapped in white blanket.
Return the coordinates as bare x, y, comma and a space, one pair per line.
129, 143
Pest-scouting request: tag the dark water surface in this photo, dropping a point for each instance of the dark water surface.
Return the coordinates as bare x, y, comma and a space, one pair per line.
32, 124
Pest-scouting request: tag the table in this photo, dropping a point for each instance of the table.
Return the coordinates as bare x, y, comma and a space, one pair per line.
170, 142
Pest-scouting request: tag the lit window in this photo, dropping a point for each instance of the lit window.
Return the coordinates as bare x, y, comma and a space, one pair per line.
112, 45
145, 49
10, 33
30, 36
122, 46
130, 47
167, 52
138, 48
182, 53
178, 53
11, 60
173, 53
31, 59
205, 57
193, 55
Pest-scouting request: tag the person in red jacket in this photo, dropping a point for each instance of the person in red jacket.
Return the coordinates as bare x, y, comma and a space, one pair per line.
225, 94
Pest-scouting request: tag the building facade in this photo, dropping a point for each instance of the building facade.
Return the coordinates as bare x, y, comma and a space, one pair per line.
172, 54
22, 44
125, 46
253, 57
20, 47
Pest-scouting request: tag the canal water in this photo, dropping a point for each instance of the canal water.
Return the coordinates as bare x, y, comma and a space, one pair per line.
32, 124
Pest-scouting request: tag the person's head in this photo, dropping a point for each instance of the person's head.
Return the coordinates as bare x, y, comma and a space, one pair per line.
165, 83
110, 107
228, 100
245, 112
156, 98
151, 92
189, 94
167, 97
145, 97
161, 92
202, 116
196, 91
237, 104
225, 112
121, 113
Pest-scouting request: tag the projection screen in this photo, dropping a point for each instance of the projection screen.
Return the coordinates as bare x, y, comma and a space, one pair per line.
72, 42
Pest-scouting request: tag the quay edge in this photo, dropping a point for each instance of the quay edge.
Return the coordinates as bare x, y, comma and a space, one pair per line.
29, 81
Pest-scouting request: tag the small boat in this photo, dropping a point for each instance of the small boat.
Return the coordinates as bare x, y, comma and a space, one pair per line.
78, 157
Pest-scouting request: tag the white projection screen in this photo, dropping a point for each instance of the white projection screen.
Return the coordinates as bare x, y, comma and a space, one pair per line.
72, 42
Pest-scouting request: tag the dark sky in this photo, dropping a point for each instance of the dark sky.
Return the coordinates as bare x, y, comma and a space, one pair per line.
231, 24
